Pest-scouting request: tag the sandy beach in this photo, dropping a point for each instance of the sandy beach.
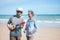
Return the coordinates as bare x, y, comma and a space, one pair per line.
43, 33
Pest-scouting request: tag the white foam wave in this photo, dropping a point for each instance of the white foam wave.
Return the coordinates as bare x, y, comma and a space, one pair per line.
58, 19
39, 21
46, 21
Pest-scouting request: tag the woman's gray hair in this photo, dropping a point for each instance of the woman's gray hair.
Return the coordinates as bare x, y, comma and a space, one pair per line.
31, 12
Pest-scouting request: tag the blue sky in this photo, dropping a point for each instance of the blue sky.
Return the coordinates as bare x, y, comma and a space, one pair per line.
8, 7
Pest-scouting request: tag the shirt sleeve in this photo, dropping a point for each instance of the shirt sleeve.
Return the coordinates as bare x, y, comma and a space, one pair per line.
10, 20
26, 25
35, 25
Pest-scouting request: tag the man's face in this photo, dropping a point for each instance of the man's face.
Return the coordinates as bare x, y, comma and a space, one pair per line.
19, 13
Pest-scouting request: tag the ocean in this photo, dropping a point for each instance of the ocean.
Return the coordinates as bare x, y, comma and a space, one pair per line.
43, 20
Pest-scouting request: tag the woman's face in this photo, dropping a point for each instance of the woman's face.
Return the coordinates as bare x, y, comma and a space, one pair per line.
30, 15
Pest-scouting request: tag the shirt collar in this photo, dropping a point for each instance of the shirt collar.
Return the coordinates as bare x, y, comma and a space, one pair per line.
31, 19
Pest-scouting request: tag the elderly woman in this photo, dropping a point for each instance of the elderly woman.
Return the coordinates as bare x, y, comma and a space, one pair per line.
31, 26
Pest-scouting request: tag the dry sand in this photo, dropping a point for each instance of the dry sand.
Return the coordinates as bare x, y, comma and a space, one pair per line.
43, 33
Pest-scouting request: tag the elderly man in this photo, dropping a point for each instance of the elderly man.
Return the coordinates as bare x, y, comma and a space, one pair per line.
14, 25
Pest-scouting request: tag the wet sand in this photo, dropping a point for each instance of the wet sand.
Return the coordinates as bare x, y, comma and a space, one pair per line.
43, 33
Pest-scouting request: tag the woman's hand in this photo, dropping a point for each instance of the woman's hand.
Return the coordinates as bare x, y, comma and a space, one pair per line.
32, 31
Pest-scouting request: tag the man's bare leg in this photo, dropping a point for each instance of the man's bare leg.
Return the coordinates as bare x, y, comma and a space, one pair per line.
12, 38
18, 38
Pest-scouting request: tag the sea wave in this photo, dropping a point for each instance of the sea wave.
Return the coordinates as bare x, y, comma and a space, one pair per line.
39, 21
46, 21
